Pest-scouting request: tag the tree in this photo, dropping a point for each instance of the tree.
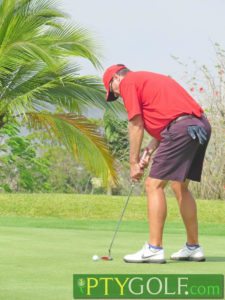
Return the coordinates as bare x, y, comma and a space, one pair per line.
208, 87
40, 86
22, 170
65, 175
116, 132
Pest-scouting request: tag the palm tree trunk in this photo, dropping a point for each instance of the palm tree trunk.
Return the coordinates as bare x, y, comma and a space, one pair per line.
109, 190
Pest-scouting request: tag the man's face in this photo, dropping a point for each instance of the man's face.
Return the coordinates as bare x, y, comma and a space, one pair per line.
114, 85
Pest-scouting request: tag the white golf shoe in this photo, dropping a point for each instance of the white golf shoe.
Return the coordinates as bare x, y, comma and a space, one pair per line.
146, 255
186, 253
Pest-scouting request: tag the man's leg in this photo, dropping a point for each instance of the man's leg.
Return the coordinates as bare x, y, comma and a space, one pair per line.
188, 210
157, 209
154, 252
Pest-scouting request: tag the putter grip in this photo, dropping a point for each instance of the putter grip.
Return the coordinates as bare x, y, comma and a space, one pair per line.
144, 154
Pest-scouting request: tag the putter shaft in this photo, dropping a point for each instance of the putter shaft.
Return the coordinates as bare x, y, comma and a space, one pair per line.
121, 217
123, 211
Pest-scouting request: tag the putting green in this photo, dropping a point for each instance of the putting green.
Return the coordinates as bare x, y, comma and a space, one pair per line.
38, 263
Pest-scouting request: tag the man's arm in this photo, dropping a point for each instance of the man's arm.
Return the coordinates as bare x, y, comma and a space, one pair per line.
152, 146
136, 132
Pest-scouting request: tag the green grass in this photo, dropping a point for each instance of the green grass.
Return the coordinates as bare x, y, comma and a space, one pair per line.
104, 225
45, 239
97, 207
38, 263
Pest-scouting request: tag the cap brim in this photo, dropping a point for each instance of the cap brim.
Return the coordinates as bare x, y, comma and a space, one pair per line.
111, 97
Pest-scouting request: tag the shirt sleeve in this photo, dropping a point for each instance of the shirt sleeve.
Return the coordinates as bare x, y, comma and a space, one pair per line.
131, 101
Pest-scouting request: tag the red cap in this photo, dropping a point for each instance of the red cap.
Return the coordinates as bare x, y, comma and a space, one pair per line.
107, 77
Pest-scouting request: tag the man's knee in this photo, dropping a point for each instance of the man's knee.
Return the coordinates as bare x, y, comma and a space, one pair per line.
178, 186
152, 184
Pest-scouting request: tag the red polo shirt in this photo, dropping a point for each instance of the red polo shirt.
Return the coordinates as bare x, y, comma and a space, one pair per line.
158, 98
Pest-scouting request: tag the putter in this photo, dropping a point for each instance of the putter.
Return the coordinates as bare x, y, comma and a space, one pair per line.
109, 256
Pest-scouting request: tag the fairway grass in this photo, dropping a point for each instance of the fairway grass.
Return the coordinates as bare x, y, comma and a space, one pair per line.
98, 207
45, 240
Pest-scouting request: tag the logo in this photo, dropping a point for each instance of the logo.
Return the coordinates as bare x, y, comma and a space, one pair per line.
144, 286
81, 283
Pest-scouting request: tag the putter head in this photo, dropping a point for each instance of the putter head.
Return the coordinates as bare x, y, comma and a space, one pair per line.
107, 257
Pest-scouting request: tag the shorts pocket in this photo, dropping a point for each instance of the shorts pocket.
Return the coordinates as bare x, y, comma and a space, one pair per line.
177, 131
165, 134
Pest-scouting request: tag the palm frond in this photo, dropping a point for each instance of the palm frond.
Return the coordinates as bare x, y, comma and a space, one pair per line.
25, 18
81, 138
33, 51
74, 41
71, 92
37, 78
30, 29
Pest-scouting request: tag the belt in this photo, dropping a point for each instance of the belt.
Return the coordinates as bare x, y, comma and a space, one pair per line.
185, 117
182, 118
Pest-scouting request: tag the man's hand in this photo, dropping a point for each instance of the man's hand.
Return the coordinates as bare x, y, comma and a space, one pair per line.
136, 172
199, 132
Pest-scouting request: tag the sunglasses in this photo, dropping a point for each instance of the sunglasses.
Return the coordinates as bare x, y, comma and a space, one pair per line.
110, 86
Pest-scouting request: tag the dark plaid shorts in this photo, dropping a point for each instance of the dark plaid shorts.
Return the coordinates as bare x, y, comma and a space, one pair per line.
178, 156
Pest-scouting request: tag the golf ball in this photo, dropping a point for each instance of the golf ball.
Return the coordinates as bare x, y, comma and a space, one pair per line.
95, 257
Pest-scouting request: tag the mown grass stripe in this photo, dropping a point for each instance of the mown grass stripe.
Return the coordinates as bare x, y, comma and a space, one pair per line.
104, 225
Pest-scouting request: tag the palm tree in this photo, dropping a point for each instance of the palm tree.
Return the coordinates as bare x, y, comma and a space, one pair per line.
38, 79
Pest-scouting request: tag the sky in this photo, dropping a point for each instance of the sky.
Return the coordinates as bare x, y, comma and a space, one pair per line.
143, 34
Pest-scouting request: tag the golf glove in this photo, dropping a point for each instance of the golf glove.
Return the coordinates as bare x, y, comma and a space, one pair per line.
199, 132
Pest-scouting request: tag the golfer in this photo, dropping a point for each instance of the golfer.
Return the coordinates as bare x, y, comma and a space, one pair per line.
180, 134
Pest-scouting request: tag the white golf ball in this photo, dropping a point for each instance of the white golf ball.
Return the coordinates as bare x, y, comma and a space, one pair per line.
95, 257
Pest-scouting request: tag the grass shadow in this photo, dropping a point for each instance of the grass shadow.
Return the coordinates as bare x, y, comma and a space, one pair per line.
215, 258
